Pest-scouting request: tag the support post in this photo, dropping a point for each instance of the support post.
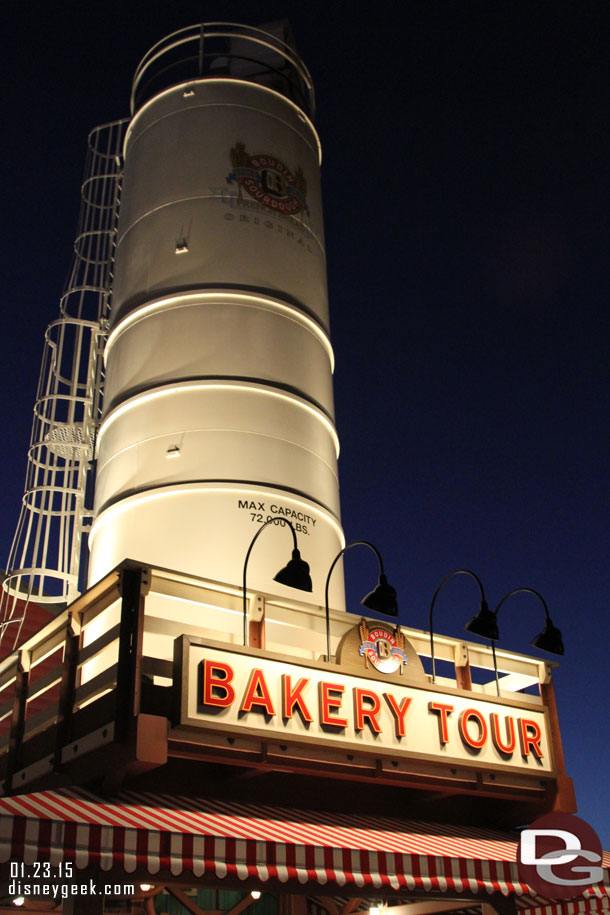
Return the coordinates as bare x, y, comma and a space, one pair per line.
15, 746
132, 585
565, 798
497, 904
67, 689
256, 621
292, 905
462, 667
84, 905
143, 737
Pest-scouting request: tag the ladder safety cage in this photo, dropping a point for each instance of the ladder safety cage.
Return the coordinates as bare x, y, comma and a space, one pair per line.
45, 557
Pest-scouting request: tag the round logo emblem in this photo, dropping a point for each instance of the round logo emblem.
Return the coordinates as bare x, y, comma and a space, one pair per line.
381, 648
271, 183
559, 856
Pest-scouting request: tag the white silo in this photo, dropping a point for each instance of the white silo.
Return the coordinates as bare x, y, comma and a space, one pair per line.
218, 406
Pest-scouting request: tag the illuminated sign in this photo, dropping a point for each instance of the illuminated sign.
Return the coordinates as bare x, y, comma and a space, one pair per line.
254, 693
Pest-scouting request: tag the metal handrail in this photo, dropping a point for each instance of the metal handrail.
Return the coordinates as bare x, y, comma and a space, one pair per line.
151, 64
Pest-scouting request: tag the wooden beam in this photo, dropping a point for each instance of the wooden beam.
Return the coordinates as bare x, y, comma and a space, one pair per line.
129, 667
83, 905
290, 904
463, 677
351, 905
256, 633
241, 906
184, 900
430, 908
497, 904
18, 717
13, 909
67, 690
565, 800
328, 903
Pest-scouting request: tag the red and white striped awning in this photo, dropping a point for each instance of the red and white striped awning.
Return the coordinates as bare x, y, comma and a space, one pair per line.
591, 903
178, 835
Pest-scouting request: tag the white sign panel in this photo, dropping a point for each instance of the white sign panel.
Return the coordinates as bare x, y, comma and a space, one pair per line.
250, 694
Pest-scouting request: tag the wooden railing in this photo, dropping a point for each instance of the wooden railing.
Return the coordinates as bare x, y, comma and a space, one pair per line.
80, 682
42, 688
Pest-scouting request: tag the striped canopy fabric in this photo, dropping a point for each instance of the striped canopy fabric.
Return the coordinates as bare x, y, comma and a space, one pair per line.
178, 835
589, 904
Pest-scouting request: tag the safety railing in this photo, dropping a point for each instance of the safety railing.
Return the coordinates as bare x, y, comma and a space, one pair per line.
86, 675
229, 51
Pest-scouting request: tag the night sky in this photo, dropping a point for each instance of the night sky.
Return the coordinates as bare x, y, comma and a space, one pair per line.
466, 208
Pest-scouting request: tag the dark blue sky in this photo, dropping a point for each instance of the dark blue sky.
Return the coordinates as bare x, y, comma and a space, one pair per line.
466, 189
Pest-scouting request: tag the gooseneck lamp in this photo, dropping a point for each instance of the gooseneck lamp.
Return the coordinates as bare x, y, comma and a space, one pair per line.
486, 625
382, 599
484, 611
295, 573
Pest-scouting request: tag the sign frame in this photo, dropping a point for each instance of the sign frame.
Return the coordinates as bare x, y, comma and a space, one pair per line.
197, 729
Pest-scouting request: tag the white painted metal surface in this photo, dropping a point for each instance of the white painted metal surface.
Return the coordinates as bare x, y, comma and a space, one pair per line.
218, 403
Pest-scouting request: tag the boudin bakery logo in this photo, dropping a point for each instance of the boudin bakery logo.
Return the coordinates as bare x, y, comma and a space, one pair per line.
268, 181
382, 647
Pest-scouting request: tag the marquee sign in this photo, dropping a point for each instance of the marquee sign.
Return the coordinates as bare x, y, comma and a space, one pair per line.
249, 692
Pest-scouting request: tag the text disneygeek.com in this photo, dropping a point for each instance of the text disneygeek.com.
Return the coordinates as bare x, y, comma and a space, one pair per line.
64, 890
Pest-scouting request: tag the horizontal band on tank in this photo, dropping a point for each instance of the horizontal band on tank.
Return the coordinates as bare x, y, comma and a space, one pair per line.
126, 502
213, 384
193, 197
231, 380
173, 436
221, 296
259, 292
201, 82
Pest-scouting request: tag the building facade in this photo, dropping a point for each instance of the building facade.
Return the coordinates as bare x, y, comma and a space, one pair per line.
195, 717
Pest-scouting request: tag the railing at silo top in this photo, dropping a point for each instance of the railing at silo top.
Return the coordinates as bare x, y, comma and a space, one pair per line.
225, 51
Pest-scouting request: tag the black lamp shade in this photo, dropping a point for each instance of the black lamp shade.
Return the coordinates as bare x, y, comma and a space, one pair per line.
295, 574
550, 639
484, 623
382, 599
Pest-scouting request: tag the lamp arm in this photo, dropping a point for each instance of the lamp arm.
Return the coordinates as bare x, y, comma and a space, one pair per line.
527, 591
372, 547
495, 612
435, 595
281, 521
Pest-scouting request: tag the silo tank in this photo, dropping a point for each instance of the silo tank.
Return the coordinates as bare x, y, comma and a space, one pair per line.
218, 405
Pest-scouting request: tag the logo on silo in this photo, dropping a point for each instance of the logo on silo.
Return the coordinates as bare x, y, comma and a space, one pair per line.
268, 181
